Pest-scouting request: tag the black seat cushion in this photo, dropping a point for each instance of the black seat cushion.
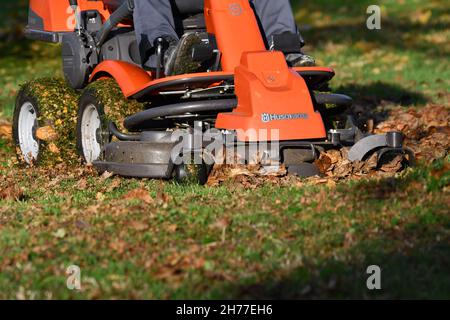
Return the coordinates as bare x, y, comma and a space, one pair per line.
188, 7
183, 7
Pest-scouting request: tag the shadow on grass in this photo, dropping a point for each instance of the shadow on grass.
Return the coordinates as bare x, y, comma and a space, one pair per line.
373, 101
413, 254
421, 273
352, 8
371, 95
397, 34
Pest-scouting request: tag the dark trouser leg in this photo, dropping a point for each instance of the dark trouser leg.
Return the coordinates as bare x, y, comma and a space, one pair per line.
152, 19
275, 16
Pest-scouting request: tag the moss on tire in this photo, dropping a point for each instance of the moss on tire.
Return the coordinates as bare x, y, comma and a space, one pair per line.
58, 104
115, 105
57, 109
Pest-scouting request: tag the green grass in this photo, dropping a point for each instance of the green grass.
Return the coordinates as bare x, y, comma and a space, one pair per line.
196, 242
284, 241
405, 62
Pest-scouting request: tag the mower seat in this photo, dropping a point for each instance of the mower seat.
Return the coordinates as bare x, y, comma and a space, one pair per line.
183, 7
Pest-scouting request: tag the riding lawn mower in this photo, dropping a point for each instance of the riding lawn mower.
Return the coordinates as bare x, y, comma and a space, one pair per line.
242, 88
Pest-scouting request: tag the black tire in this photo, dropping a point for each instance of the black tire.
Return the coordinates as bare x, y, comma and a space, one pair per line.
26, 100
192, 173
88, 100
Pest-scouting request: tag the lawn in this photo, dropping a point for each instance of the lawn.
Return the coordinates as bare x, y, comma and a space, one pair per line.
292, 238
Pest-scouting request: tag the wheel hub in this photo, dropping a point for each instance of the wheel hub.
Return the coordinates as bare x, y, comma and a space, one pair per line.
27, 127
91, 134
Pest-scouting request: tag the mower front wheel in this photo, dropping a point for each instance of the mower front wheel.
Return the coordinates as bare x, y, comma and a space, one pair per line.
25, 124
92, 127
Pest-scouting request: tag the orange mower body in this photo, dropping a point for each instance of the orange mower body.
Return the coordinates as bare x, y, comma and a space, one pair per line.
242, 89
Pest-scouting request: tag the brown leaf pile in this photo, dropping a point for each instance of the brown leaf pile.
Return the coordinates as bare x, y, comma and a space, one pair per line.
17, 182
250, 176
334, 163
426, 131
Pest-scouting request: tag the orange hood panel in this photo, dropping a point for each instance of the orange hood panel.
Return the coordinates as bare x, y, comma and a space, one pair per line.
271, 97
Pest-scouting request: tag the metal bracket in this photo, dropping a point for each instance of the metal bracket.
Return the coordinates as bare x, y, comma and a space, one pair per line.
390, 140
365, 146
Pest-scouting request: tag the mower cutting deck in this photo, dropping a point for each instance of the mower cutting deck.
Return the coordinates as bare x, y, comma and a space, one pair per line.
245, 98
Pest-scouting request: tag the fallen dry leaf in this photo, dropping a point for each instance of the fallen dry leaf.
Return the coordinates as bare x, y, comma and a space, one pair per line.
82, 184
139, 226
164, 197
421, 16
60, 233
370, 164
6, 131
46, 134
323, 163
172, 228
220, 224
100, 196
394, 165
139, 194
118, 246
106, 175
114, 184
12, 192
53, 148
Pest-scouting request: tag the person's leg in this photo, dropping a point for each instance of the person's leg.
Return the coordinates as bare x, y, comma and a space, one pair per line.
277, 17
153, 19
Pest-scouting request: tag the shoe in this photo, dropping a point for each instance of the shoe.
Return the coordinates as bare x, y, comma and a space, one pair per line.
178, 58
300, 60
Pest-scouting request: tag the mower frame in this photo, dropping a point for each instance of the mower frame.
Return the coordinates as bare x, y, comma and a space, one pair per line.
245, 86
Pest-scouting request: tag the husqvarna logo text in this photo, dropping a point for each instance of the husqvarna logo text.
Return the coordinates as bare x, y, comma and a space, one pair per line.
267, 117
